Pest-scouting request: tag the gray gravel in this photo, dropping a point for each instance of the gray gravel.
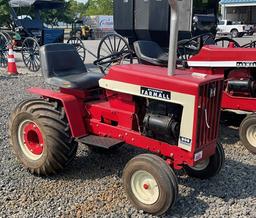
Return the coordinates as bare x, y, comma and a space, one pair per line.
91, 186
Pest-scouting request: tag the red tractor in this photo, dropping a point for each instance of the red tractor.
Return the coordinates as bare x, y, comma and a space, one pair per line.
237, 64
171, 113
239, 67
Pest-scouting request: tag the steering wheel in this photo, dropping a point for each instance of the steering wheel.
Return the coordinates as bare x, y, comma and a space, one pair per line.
115, 58
189, 47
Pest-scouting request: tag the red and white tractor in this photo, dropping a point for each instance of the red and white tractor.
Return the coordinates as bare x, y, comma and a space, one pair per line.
239, 67
236, 63
171, 113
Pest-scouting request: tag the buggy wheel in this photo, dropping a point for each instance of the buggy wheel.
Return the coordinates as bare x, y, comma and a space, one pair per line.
4, 42
79, 45
224, 42
40, 136
247, 133
150, 184
30, 54
209, 167
185, 50
116, 48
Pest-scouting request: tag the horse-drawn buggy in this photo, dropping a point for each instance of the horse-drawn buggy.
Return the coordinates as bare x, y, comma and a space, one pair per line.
136, 20
28, 32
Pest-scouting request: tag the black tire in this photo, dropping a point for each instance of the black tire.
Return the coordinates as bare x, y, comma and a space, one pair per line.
161, 162
30, 54
164, 177
59, 148
212, 167
234, 33
246, 133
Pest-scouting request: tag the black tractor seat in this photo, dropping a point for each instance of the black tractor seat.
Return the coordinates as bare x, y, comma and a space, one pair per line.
149, 52
62, 66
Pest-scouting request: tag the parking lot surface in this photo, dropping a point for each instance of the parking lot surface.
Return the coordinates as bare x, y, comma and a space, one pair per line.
91, 186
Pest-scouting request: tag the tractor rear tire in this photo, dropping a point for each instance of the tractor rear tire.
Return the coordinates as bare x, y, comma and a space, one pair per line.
40, 136
210, 167
247, 133
150, 184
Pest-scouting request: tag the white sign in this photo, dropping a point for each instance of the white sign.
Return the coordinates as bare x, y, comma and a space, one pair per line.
106, 22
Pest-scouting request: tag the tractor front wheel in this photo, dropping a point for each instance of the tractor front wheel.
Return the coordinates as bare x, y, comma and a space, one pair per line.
208, 168
40, 136
247, 132
150, 184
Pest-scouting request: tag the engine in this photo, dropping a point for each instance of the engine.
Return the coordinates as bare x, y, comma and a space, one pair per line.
241, 83
162, 121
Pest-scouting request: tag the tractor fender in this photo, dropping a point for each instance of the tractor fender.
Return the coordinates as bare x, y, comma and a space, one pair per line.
73, 108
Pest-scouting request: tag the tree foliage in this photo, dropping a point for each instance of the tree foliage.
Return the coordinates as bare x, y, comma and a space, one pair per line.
4, 13
100, 7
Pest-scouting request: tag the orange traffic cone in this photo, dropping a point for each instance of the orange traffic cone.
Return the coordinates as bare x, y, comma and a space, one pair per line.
12, 68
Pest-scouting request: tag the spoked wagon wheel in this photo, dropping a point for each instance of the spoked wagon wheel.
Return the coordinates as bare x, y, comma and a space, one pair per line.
4, 42
79, 45
210, 167
30, 54
117, 49
189, 47
247, 132
41, 137
224, 42
150, 184
186, 49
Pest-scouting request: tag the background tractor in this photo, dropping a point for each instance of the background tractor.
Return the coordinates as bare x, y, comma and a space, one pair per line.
80, 30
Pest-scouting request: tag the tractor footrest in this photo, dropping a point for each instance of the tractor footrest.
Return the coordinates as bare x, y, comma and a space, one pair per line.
99, 141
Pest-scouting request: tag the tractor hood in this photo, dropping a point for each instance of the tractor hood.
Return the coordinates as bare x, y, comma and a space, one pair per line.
39, 4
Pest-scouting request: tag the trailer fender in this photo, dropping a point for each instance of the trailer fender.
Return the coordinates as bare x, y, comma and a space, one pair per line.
72, 106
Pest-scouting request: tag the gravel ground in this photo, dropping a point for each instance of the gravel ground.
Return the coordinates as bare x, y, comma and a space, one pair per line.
91, 186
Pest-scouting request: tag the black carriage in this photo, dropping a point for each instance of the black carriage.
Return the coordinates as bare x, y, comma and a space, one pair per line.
28, 32
136, 20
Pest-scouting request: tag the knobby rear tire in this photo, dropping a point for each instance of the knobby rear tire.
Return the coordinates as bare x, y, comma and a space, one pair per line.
59, 147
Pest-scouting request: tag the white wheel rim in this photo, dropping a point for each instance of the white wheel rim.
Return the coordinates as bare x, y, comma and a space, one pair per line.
22, 143
201, 165
145, 187
251, 135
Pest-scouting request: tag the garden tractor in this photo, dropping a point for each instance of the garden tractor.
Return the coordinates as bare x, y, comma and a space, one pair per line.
236, 63
171, 113
239, 67
80, 30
